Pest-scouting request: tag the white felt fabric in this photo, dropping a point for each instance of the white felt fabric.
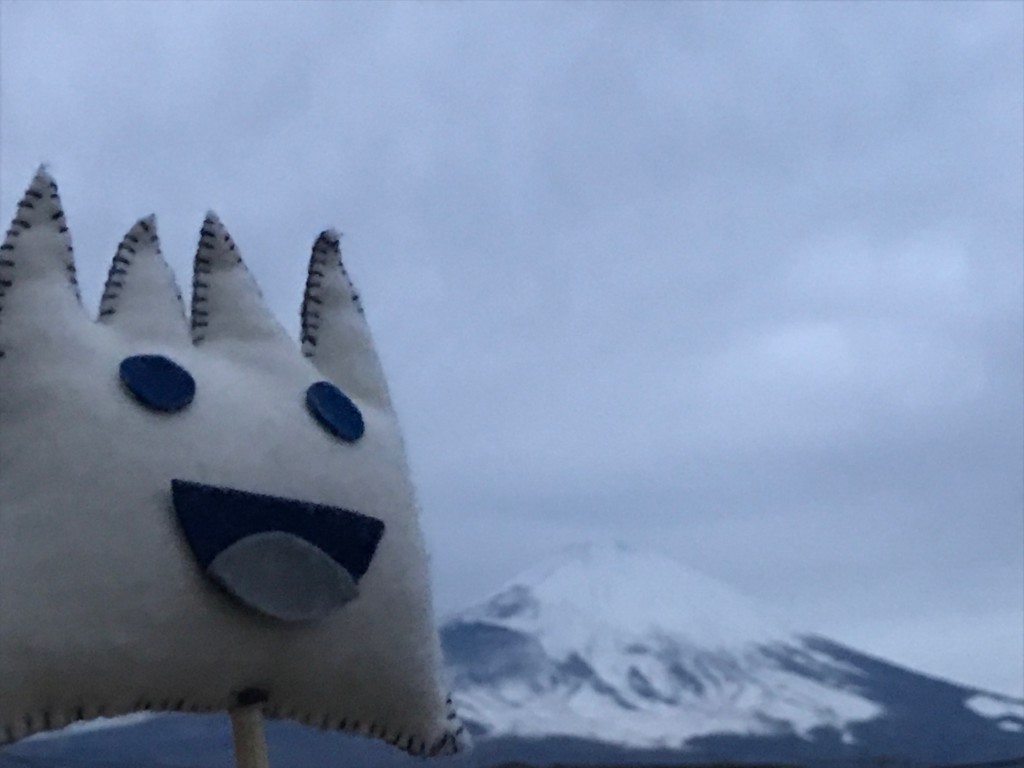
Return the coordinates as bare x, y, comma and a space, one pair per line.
103, 609
140, 296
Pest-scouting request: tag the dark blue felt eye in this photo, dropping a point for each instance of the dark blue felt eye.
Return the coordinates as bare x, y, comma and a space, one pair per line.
158, 382
335, 412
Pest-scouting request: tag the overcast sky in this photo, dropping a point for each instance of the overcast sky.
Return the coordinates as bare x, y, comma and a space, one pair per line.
741, 282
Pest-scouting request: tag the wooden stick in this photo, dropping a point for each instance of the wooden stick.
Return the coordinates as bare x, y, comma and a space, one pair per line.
247, 729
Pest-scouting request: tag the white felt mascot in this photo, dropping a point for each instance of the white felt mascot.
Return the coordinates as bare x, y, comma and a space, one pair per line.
194, 512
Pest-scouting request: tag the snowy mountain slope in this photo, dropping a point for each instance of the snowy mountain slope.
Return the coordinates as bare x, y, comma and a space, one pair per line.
1006, 712
612, 645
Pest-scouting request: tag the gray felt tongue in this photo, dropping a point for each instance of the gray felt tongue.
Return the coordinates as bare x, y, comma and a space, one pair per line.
282, 576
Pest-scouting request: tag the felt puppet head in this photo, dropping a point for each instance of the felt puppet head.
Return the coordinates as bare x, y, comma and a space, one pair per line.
193, 511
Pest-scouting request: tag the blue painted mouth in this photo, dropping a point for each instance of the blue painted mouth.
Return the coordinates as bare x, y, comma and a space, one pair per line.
289, 559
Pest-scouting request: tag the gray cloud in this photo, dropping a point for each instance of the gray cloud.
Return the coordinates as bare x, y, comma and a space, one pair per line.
740, 282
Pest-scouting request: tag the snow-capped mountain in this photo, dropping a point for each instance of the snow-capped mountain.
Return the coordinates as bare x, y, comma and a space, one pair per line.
611, 645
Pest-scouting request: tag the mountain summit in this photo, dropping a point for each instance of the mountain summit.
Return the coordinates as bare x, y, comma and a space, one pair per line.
592, 589
609, 644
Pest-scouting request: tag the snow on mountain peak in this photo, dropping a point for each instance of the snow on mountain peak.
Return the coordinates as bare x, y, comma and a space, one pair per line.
614, 644
613, 589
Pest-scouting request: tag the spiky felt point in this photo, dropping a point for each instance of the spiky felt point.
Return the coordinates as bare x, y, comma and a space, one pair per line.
37, 245
140, 295
334, 331
226, 302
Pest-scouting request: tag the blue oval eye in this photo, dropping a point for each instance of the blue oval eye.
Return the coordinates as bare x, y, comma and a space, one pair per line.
335, 412
158, 382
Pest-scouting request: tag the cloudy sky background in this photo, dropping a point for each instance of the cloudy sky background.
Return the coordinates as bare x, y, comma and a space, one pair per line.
740, 282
